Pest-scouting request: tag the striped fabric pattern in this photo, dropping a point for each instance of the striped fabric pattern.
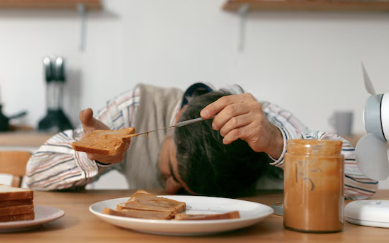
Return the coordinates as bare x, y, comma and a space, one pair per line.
55, 165
357, 186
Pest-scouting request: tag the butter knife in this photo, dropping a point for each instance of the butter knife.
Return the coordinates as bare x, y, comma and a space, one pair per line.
179, 124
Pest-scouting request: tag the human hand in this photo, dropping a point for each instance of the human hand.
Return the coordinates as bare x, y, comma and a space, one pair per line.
90, 124
241, 117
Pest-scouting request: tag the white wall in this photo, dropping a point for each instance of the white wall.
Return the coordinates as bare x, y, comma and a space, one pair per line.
306, 62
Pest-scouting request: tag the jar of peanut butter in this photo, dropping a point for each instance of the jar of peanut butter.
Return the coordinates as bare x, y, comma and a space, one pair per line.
313, 185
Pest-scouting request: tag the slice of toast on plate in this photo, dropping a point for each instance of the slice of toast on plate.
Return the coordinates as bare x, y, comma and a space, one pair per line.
14, 193
229, 215
131, 213
148, 206
17, 217
16, 203
10, 203
13, 210
142, 200
104, 142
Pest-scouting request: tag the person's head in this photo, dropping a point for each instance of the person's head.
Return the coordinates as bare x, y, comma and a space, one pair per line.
196, 159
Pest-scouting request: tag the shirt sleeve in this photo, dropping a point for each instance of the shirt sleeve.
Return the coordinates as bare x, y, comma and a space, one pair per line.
55, 165
357, 185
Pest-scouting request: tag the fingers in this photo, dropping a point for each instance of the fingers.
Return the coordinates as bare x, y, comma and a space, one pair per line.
241, 117
230, 112
236, 122
246, 133
215, 107
241, 105
107, 159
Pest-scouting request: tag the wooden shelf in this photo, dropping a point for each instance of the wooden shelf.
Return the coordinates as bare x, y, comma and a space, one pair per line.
309, 5
50, 4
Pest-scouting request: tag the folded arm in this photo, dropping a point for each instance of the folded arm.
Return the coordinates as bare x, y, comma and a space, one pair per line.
55, 165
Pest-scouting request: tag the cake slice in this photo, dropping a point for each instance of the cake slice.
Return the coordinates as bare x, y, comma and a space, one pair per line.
229, 215
14, 193
142, 200
104, 142
131, 213
17, 217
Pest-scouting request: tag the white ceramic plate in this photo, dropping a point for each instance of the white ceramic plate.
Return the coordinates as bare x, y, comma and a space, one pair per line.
250, 212
43, 214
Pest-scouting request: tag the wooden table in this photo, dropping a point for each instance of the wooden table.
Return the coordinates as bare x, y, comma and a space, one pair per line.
79, 225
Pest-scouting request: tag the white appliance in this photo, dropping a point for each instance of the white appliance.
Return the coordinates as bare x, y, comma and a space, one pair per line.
372, 158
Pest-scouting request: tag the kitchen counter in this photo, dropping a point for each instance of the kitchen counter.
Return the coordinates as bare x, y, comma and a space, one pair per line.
24, 138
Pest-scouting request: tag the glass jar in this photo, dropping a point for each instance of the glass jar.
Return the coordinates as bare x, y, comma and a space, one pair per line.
313, 185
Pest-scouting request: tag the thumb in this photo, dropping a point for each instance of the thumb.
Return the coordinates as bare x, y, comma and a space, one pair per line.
86, 118
89, 123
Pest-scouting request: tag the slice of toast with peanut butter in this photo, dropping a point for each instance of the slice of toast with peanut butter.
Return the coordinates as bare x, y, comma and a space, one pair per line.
104, 142
229, 215
131, 213
147, 206
142, 200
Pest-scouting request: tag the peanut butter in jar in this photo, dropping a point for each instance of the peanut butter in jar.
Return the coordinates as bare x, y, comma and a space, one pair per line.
313, 185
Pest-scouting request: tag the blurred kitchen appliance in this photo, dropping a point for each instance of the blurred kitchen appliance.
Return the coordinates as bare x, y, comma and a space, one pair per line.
5, 120
55, 119
371, 151
371, 154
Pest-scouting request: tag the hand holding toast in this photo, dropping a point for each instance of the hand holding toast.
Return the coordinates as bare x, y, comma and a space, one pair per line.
241, 117
89, 123
92, 125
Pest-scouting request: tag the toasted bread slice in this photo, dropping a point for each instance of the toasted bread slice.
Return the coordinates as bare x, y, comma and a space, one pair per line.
121, 206
139, 214
104, 142
15, 203
17, 217
15, 193
13, 210
142, 200
229, 215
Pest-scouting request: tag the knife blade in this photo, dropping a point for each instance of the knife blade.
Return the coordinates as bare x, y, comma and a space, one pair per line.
179, 124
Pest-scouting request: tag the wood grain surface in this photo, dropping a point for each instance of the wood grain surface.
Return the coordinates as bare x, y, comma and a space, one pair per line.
79, 225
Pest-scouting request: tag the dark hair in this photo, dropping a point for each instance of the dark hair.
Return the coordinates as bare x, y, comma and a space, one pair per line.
210, 167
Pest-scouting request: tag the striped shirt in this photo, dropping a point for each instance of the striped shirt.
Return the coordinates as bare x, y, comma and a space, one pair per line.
55, 165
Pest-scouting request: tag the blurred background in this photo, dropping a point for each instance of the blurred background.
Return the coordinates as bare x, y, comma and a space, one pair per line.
308, 62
